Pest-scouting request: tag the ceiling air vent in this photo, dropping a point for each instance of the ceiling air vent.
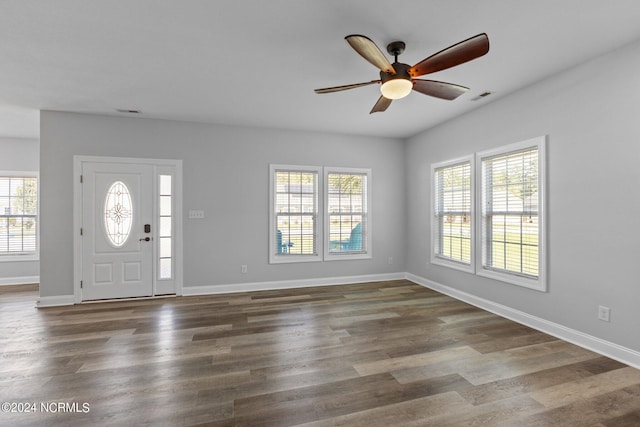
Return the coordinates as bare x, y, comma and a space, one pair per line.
482, 95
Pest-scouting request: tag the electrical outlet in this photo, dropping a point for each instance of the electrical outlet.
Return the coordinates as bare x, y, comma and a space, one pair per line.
390, 260
243, 268
604, 313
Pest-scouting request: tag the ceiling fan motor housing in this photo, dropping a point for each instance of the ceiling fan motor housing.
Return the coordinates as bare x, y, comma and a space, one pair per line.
402, 72
398, 85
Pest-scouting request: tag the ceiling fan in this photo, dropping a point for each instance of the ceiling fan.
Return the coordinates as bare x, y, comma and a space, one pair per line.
399, 79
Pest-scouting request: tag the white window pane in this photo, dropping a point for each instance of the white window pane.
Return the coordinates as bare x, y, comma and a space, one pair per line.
510, 187
17, 185
29, 243
4, 235
165, 185
15, 243
295, 209
282, 182
334, 203
5, 205
165, 247
18, 196
452, 238
282, 202
165, 268
4, 186
347, 208
165, 226
165, 205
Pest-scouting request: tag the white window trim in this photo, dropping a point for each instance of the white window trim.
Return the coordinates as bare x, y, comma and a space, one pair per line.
539, 284
435, 259
20, 257
275, 258
368, 236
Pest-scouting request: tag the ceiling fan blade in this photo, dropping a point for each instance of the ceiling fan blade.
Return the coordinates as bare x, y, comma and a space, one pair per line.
382, 104
345, 87
441, 90
453, 55
370, 51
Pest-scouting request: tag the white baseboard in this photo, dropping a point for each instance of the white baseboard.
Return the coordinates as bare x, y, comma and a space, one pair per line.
55, 301
22, 280
606, 348
288, 284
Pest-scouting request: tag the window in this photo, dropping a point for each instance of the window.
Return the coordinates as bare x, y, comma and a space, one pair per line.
452, 225
509, 224
294, 224
165, 232
348, 223
512, 232
18, 214
302, 205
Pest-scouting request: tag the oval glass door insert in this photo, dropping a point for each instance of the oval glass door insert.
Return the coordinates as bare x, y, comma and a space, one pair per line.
118, 213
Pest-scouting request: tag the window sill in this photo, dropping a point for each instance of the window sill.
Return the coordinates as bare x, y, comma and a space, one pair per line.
346, 256
467, 268
292, 259
19, 258
513, 279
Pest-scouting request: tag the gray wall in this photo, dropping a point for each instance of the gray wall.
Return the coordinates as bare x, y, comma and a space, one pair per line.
226, 175
19, 155
590, 114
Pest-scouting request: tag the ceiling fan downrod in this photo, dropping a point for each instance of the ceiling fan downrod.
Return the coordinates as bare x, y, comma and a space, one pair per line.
396, 48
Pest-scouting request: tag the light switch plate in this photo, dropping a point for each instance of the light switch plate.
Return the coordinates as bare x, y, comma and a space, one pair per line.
196, 214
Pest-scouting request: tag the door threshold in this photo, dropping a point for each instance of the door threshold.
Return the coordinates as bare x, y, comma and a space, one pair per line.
94, 301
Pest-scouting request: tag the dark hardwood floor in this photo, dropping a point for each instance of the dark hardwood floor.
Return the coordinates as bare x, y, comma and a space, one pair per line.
375, 354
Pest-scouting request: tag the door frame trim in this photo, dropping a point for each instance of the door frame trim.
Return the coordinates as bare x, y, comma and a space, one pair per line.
78, 161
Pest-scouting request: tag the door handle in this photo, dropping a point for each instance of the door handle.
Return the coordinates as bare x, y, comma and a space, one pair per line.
146, 239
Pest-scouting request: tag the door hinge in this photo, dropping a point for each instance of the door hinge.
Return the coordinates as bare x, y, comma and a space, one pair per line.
81, 231
80, 284
80, 179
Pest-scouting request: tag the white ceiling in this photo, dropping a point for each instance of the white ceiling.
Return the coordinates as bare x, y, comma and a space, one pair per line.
256, 62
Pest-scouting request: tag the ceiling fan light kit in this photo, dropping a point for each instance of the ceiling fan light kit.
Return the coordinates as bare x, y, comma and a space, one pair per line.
398, 85
396, 88
399, 79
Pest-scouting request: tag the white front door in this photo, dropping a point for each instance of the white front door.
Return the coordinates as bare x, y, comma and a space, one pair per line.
117, 230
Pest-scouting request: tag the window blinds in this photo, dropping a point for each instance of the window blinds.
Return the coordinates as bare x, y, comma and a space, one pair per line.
510, 201
452, 237
18, 215
296, 210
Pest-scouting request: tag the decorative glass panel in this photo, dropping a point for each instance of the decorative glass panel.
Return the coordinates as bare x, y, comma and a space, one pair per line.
118, 213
